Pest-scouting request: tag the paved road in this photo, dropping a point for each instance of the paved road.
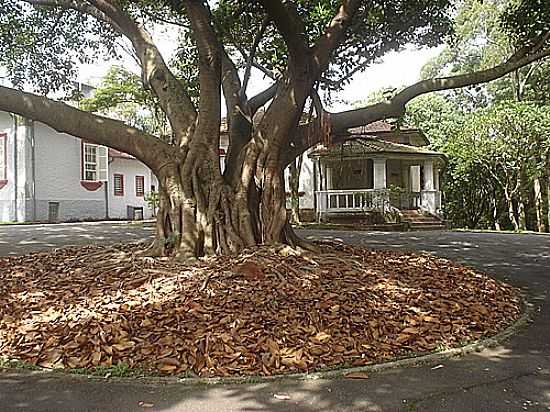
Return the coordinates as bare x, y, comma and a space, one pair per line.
19, 239
511, 377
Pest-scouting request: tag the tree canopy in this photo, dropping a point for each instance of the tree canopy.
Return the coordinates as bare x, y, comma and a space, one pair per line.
303, 45
485, 34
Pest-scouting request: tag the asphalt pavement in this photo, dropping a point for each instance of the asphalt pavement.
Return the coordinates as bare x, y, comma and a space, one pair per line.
514, 376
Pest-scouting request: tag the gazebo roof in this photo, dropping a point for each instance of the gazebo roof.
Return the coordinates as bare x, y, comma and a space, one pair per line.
365, 146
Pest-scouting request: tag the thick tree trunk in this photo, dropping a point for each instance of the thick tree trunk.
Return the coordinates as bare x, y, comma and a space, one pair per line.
294, 185
522, 215
523, 201
202, 214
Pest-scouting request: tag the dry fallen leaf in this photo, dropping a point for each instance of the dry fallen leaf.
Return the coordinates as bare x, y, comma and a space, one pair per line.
356, 375
261, 313
281, 396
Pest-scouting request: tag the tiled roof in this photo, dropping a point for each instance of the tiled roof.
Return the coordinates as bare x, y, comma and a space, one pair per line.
370, 145
380, 126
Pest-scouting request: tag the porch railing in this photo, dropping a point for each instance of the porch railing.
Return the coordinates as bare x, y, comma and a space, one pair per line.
363, 200
337, 201
405, 200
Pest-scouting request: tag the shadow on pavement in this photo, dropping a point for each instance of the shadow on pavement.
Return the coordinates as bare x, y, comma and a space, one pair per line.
511, 377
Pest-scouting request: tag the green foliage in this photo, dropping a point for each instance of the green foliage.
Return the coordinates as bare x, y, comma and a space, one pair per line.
121, 95
153, 200
43, 46
492, 153
525, 20
486, 34
437, 116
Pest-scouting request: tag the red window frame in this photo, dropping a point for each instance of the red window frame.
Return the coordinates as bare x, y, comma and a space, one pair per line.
118, 191
140, 193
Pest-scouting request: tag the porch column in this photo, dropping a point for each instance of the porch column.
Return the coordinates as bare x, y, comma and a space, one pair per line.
317, 175
328, 178
415, 178
436, 178
429, 194
428, 175
379, 173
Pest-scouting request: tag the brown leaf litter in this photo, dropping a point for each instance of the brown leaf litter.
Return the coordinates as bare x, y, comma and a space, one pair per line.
264, 312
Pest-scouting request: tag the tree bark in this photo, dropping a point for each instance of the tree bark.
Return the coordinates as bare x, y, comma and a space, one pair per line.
202, 211
294, 185
511, 212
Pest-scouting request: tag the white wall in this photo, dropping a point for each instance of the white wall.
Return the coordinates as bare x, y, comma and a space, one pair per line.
12, 199
57, 173
129, 168
306, 183
7, 212
58, 178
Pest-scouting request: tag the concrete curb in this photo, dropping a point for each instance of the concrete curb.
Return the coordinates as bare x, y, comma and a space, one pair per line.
89, 223
430, 358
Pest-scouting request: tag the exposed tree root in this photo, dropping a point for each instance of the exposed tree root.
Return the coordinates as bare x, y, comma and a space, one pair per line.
269, 310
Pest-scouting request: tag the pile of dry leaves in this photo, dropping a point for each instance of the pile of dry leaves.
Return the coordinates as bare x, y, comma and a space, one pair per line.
267, 311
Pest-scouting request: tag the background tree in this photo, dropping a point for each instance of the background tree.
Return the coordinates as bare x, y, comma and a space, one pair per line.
121, 95
482, 39
303, 45
497, 165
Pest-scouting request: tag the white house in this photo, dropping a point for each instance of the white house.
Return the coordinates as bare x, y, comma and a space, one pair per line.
376, 173
51, 176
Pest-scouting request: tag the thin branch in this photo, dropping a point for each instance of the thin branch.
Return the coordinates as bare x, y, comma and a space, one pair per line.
252, 56
290, 25
269, 73
156, 17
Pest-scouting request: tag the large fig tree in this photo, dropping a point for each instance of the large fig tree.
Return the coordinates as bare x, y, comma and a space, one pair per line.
304, 46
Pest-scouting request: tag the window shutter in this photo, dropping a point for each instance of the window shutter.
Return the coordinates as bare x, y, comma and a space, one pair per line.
118, 182
140, 186
102, 163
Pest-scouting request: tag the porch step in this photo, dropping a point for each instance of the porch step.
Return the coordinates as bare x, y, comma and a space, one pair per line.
420, 221
427, 226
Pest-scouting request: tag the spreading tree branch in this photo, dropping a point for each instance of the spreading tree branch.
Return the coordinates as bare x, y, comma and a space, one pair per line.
171, 94
395, 107
291, 26
262, 98
210, 71
334, 33
97, 129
